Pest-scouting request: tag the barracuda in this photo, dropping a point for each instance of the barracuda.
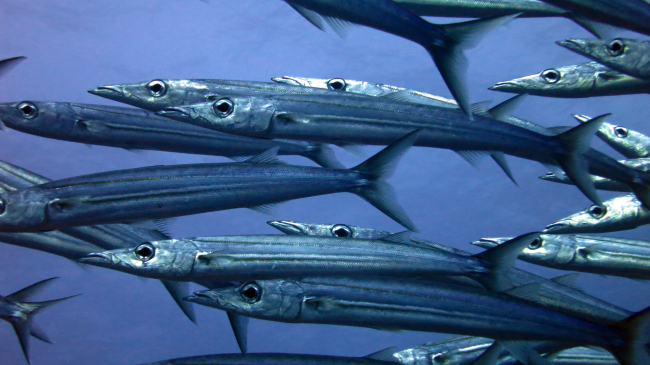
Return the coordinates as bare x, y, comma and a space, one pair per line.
245, 258
627, 142
599, 255
131, 128
335, 119
576, 81
424, 306
559, 294
601, 183
168, 191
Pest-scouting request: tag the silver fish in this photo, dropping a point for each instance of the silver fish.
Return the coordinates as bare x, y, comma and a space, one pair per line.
167, 191
424, 306
15, 310
334, 119
599, 255
443, 42
576, 81
626, 55
481, 8
601, 183
618, 214
560, 294
383, 357
629, 143
137, 129
245, 258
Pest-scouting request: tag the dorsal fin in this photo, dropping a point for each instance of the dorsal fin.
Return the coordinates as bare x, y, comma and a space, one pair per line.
473, 157
268, 156
568, 280
383, 355
527, 292
310, 15
401, 237
500, 111
338, 25
267, 209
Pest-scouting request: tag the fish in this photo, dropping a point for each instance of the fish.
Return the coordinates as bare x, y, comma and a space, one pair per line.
625, 55
425, 306
601, 183
583, 356
15, 310
593, 254
582, 80
481, 8
628, 14
8, 64
135, 129
159, 192
625, 141
377, 358
158, 94
617, 214
444, 42
245, 258
77, 242
560, 294
334, 119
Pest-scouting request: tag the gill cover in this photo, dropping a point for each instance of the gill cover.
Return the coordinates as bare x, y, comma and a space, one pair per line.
244, 113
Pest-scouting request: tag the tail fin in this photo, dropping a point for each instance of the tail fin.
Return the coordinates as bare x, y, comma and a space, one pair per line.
635, 351
23, 324
451, 61
7, 64
379, 168
323, 155
501, 259
179, 290
577, 141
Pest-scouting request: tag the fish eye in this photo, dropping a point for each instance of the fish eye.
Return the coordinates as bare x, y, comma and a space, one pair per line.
157, 88
144, 252
620, 132
551, 75
597, 211
616, 47
337, 84
223, 107
537, 243
2, 206
28, 109
341, 230
250, 293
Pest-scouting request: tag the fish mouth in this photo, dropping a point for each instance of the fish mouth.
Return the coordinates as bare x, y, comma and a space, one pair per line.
174, 111
99, 259
287, 227
549, 177
287, 80
487, 242
503, 86
572, 44
557, 227
200, 296
107, 91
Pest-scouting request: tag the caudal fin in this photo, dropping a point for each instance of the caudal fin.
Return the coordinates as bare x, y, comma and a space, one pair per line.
380, 167
323, 155
636, 350
451, 60
576, 141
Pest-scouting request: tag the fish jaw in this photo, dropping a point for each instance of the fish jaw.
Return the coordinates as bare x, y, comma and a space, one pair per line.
576, 45
208, 298
513, 86
290, 228
100, 259
490, 242
560, 227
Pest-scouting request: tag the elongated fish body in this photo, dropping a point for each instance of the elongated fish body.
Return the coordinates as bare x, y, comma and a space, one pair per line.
370, 89
618, 214
159, 94
599, 255
279, 359
628, 14
601, 183
553, 294
55, 243
576, 81
131, 128
584, 356
166, 191
405, 304
627, 142
481, 8
244, 258
626, 55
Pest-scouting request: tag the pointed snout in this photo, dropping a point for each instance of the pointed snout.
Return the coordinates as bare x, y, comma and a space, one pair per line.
202, 297
506, 86
489, 242
551, 177
287, 227
108, 91
100, 259
559, 227
175, 112
576, 45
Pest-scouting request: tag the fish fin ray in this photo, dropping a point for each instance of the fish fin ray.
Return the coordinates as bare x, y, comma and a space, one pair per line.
268, 156
179, 290
267, 209
383, 355
401, 237
598, 29
500, 159
7, 64
239, 325
311, 16
338, 25
637, 326
473, 157
569, 280
323, 155
38, 333
29, 291
500, 111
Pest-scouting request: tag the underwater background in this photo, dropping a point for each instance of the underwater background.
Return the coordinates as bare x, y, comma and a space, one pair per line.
73, 46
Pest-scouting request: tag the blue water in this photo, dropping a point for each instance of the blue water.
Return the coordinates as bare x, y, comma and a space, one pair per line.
73, 46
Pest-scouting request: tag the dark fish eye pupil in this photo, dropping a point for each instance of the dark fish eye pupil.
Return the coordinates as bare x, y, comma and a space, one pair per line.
156, 88
28, 109
617, 47
597, 212
620, 132
250, 293
340, 230
2, 206
537, 243
144, 252
336, 84
223, 107
551, 76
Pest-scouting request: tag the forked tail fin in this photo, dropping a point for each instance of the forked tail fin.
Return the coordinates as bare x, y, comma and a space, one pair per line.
380, 167
636, 350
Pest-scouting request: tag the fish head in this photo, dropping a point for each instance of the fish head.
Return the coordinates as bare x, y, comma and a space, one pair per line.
618, 53
23, 210
41, 118
157, 94
327, 230
551, 176
620, 213
232, 114
167, 260
339, 84
567, 81
624, 138
270, 299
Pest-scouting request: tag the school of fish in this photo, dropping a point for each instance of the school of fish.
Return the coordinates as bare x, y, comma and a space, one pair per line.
338, 273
